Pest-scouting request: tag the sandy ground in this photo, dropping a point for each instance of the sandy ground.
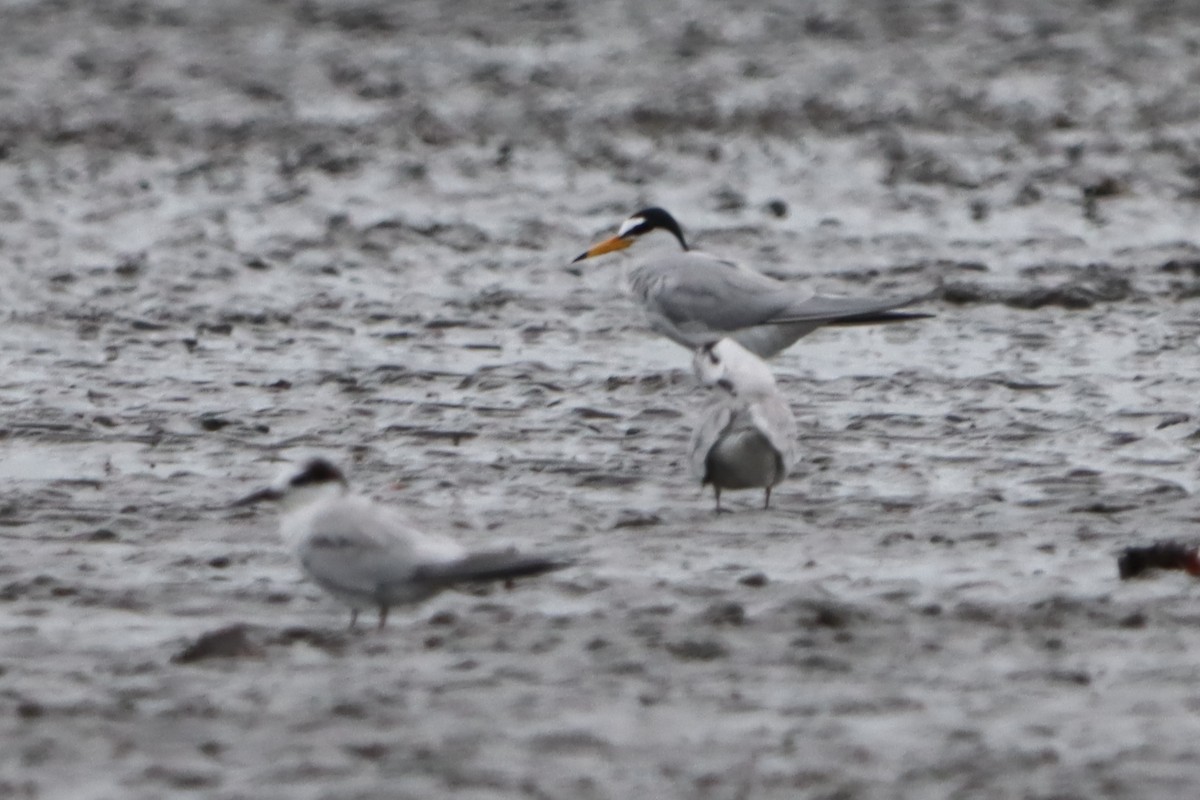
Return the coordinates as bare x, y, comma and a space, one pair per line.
234, 234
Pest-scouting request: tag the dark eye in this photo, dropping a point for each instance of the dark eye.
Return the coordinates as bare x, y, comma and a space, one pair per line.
712, 358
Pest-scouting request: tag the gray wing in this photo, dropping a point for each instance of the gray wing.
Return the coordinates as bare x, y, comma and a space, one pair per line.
774, 419
359, 548
698, 294
712, 425
343, 562
492, 566
827, 309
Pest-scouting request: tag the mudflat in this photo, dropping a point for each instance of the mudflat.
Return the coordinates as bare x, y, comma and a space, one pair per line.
236, 234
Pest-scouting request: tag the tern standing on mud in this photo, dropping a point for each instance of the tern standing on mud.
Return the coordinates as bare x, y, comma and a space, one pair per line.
747, 440
369, 556
693, 298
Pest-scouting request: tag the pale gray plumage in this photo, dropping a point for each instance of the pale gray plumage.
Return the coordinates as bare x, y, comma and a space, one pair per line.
370, 556
693, 298
747, 438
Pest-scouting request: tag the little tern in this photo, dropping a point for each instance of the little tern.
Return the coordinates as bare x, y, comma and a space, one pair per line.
369, 555
747, 439
693, 298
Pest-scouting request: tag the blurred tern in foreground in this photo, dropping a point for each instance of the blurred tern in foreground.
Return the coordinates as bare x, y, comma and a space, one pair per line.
368, 555
747, 440
693, 298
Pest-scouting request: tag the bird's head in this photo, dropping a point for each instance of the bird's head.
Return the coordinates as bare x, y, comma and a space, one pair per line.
643, 222
299, 486
732, 368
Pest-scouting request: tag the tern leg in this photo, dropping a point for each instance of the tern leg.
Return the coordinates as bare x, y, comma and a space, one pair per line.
382, 616
767, 498
353, 618
717, 494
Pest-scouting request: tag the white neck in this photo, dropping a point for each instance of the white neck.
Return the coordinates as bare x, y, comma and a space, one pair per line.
301, 497
657, 242
751, 376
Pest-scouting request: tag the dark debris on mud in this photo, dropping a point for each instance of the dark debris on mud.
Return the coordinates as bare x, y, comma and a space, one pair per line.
242, 641
1097, 284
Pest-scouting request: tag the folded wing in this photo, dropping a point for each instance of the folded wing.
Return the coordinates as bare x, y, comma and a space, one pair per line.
775, 421
715, 421
832, 310
491, 566
695, 292
360, 547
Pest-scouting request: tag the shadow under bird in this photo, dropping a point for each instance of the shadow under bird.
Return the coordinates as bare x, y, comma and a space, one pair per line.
694, 298
747, 439
368, 555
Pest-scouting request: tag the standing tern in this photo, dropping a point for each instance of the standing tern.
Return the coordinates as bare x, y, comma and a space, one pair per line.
693, 298
747, 439
369, 555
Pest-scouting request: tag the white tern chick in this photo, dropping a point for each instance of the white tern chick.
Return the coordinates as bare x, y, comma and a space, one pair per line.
368, 555
747, 439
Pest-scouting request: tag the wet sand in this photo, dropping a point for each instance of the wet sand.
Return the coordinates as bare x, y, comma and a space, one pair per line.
238, 234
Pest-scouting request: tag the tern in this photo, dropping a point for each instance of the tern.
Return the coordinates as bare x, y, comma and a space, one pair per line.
747, 439
368, 555
694, 298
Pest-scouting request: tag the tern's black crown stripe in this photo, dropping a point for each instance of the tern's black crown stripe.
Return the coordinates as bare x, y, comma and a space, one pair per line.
655, 217
316, 472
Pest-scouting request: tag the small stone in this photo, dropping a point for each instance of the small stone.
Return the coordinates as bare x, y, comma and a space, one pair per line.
131, 266
633, 518
349, 710
369, 752
725, 614
212, 423
29, 709
698, 650
729, 199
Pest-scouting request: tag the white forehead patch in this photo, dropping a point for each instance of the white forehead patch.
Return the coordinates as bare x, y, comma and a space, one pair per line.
283, 478
629, 225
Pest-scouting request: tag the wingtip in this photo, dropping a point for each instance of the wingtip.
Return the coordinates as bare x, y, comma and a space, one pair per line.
554, 563
256, 497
